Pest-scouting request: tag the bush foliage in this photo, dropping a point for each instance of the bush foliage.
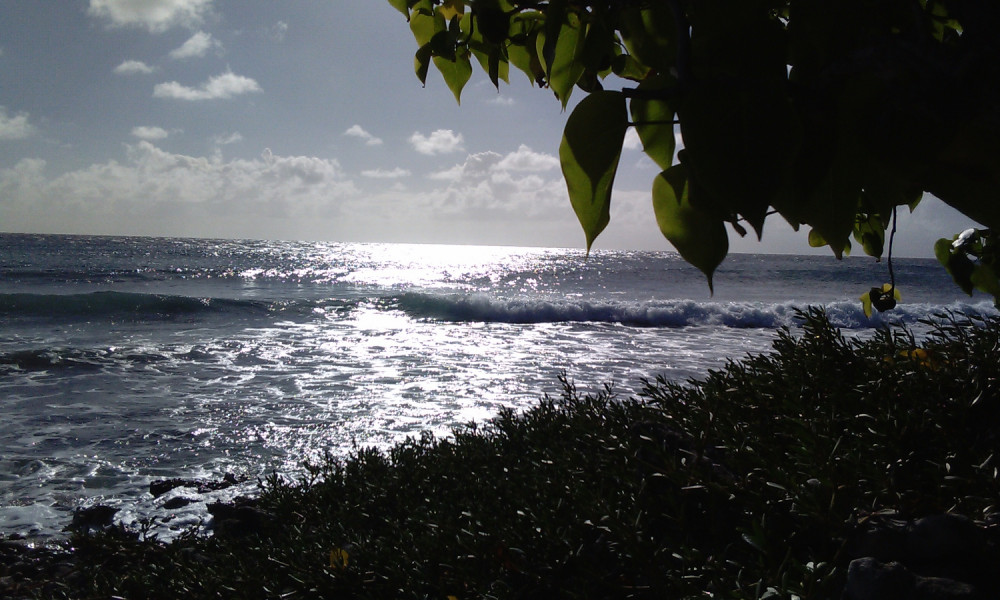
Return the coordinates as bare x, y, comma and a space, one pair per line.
749, 482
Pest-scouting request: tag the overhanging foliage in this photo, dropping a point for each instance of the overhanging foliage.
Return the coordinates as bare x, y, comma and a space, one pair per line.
830, 114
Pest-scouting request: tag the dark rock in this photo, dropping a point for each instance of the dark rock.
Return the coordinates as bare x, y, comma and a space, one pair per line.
162, 486
950, 556
939, 588
884, 539
869, 579
99, 516
944, 536
240, 518
178, 502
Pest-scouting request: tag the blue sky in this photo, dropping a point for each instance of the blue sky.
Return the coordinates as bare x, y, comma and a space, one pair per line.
299, 119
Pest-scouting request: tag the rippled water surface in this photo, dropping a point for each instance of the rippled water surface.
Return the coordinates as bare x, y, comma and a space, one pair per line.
125, 360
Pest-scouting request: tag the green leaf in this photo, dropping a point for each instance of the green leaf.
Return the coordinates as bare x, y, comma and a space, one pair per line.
562, 54
422, 62
653, 120
456, 72
598, 47
647, 33
698, 236
425, 22
625, 65
443, 45
589, 153
738, 139
452, 8
522, 51
401, 6
866, 304
880, 298
493, 20
956, 263
985, 278
869, 231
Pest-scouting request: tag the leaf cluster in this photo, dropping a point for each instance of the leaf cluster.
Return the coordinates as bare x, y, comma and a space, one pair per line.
830, 114
752, 482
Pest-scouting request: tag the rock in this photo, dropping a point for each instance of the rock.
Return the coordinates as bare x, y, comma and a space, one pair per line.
944, 536
939, 588
178, 502
884, 539
869, 579
162, 486
240, 518
99, 516
948, 556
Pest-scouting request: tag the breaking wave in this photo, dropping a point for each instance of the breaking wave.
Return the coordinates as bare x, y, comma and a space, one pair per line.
667, 314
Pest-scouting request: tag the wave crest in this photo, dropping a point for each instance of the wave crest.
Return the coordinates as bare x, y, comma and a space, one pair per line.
660, 313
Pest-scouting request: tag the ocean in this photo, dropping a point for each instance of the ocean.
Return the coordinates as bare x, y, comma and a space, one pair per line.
128, 360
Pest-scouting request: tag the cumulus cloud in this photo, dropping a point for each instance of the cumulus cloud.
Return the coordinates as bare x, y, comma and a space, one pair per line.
441, 141
513, 185
386, 174
526, 159
493, 165
152, 189
14, 127
154, 15
133, 67
149, 133
222, 86
359, 132
632, 141
195, 46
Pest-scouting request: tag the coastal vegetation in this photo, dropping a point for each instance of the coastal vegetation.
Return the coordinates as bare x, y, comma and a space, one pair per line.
780, 475
829, 114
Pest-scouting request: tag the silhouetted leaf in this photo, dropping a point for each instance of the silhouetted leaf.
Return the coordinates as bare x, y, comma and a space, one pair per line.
698, 236
589, 153
653, 120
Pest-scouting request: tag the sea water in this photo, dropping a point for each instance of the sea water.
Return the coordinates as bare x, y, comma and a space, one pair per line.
127, 360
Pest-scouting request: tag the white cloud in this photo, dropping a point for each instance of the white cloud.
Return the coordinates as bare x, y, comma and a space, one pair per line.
386, 174
502, 100
154, 15
632, 141
526, 159
441, 141
225, 140
359, 132
133, 67
511, 185
222, 86
149, 133
277, 31
494, 165
195, 46
153, 190
14, 127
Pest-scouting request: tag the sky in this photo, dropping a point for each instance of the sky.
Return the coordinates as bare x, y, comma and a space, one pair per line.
296, 120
